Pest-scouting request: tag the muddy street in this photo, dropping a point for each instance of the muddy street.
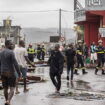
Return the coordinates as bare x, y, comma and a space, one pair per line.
85, 90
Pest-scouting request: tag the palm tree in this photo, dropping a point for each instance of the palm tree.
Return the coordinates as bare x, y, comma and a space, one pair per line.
79, 31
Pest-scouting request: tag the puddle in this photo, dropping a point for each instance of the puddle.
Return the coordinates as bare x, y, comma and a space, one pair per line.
82, 85
79, 90
79, 96
79, 85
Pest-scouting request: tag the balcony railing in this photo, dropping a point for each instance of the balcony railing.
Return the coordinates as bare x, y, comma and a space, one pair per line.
79, 14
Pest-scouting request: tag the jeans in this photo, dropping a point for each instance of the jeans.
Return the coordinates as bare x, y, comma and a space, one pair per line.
56, 79
70, 67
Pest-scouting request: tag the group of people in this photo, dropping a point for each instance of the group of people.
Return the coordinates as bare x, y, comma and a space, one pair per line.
39, 52
13, 66
98, 56
14, 60
92, 56
88, 56
75, 58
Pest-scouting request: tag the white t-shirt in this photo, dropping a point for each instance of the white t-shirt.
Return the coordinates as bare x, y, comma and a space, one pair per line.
20, 53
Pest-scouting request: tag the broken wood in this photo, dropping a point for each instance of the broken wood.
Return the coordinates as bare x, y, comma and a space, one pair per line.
36, 78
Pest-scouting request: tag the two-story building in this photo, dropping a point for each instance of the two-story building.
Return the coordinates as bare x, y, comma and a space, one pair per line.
92, 17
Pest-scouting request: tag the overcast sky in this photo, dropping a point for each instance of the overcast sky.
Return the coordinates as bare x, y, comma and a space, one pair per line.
38, 19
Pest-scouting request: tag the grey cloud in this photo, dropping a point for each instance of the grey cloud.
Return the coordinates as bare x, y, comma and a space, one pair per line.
36, 18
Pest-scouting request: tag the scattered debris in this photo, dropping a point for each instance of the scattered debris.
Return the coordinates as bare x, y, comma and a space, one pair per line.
79, 96
36, 78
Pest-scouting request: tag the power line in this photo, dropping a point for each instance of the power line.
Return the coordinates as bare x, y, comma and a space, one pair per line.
68, 11
27, 11
34, 11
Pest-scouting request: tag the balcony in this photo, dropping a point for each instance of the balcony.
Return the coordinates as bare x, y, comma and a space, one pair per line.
79, 15
87, 5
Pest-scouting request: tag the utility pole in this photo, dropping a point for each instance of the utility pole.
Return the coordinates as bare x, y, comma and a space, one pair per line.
75, 4
60, 22
65, 36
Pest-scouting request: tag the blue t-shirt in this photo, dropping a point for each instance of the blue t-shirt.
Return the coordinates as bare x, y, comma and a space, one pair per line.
8, 62
93, 48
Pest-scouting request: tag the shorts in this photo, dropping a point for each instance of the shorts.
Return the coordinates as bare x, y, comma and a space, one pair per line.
93, 56
24, 72
16, 74
8, 81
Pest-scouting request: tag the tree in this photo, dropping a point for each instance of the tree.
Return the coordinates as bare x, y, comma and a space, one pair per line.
79, 29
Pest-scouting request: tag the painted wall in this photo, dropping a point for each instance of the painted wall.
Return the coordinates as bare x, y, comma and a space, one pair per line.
91, 32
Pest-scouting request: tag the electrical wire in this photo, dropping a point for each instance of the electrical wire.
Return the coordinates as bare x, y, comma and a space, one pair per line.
68, 11
34, 11
27, 11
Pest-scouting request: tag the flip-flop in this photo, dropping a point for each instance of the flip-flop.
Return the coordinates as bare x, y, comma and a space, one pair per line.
26, 90
7, 104
17, 92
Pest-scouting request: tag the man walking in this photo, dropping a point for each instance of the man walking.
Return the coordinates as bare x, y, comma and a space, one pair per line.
56, 62
22, 58
70, 56
8, 67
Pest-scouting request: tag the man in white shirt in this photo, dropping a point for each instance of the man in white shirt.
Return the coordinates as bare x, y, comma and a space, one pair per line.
22, 59
93, 56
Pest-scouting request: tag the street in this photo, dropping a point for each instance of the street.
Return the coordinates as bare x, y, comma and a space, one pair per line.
43, 93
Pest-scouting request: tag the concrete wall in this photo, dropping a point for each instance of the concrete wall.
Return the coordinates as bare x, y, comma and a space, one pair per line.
13, 33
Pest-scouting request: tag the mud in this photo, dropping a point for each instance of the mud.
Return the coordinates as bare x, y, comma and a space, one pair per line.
84, 90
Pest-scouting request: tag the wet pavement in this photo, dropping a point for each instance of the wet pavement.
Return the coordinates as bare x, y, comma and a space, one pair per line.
85, 90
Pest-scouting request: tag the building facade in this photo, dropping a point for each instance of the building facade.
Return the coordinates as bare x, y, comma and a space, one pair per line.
92, 17
9, 32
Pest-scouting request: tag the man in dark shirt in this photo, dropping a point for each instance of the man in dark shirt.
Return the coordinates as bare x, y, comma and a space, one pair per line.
70, 56
8, 67
101, 57
80, 61
56, 62
39, 52
43, 52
